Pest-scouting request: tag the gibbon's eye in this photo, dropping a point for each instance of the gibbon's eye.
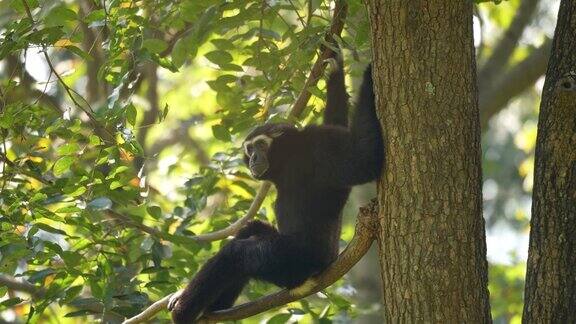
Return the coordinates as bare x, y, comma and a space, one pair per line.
261, 144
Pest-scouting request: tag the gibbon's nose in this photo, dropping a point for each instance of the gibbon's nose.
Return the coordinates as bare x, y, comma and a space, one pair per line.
258, 163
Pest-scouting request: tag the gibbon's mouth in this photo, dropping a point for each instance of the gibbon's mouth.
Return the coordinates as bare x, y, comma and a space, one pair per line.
258, 169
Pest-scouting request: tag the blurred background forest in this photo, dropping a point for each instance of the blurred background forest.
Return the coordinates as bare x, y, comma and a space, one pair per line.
120, 128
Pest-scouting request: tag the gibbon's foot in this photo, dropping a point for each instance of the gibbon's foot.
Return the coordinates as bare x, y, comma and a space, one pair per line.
173, 301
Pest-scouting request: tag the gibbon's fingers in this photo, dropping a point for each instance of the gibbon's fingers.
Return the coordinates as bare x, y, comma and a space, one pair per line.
173, 301
332, 66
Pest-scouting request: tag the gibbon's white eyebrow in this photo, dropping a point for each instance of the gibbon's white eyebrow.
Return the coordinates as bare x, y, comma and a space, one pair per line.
263, 137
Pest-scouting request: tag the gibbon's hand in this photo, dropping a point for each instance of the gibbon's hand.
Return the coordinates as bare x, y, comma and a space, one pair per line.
173, 302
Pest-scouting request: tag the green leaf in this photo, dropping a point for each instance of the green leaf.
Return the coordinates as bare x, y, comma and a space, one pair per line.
68, 149
79, 52
155, 45
68, 210
223, 44
96, 15
279, 319
83, 312
231, 67
115, 184
131, 114
154, 211
164, 113
71, 293
59, 15
39, 196
71, 258
182, 50
10, 302
50, 229
95, 140
62, 165
219, 57
221, 133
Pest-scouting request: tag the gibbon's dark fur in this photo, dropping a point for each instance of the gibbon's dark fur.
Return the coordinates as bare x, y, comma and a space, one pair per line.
313, 170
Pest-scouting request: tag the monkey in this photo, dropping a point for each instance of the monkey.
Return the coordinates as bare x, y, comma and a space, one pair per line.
313, 170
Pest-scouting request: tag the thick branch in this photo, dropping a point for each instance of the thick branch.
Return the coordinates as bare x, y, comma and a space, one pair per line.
150, 116
92, 44
25, 91
495, 96
506, 46
363, 236
20, 285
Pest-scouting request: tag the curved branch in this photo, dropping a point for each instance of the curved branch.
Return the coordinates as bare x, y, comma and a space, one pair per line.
364, 234
20, 285
237, 225
506, 46
316, 72
149, 312
495, 96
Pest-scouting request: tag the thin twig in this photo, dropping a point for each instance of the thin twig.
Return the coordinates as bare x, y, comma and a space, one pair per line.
88, 111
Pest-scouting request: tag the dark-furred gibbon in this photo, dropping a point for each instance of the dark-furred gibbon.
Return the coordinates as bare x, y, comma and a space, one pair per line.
313, 170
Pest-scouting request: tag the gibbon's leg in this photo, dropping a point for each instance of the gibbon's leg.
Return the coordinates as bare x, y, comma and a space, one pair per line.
336, 111
221, 279
274, 258
229, 296
256, 229
205, 288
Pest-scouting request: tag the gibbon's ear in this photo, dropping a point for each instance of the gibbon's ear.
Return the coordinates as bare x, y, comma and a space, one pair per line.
277, 133
279, 129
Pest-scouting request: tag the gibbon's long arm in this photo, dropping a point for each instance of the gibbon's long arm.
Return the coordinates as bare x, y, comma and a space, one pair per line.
343, 158
336, 111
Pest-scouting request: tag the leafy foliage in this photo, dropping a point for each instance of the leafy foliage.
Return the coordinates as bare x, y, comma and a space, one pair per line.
94, 209
122, 146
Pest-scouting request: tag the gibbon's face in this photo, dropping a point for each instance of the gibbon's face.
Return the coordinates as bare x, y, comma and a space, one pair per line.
257, 145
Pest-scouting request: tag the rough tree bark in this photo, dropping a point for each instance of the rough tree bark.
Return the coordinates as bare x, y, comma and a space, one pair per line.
431, 237
550, 295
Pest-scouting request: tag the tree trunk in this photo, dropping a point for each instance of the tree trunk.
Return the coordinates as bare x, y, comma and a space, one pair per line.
431, 238
550, 295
